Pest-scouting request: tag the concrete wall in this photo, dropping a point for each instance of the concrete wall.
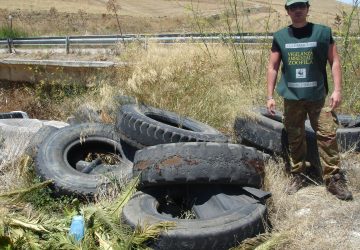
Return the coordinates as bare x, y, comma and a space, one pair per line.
19, 70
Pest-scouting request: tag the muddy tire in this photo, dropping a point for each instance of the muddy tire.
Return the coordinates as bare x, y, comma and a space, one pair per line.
199, 162
262, 131
267, 133
221, 216
58, 154
147, 126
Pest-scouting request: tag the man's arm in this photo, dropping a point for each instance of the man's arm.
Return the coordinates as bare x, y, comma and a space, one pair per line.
273, 68
334, 60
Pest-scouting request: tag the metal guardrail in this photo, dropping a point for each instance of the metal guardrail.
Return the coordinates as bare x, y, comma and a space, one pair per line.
61, 63
128, 38
113, 39
105, 39
117, 39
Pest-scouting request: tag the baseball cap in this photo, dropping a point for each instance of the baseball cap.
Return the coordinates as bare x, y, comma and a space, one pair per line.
290, 2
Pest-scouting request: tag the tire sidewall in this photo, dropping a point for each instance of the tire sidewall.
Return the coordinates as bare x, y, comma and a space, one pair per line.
221, 232
51, 162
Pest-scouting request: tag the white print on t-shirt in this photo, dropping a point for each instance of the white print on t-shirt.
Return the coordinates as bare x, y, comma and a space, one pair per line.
300, 45
300, 73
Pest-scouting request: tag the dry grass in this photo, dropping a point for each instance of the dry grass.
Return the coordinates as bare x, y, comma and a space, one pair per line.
158, 8
12, 175
45, 17
313, 218
154, 8
184, 79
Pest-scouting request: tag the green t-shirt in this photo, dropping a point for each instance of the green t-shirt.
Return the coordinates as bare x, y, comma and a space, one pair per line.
304, 58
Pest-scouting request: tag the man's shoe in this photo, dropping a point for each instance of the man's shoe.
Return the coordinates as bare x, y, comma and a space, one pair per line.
297, 182
336, 185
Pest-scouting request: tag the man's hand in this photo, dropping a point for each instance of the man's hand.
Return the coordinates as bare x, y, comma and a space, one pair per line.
335, 100
271, 106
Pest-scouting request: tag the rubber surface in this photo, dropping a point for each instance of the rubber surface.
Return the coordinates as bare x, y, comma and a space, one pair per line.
199, 162
222, 216
348, 135
267, 133
58, 154
263, 131
148, 126
14, 115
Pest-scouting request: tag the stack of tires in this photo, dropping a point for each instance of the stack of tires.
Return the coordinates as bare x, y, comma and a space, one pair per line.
189, 174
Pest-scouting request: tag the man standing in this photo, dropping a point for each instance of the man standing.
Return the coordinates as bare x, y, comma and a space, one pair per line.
304, 49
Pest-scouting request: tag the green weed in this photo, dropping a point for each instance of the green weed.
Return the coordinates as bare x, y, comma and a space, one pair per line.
45, 224
7, 32
349, 48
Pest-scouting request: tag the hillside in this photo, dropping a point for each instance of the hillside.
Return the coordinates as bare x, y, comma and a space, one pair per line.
92, 16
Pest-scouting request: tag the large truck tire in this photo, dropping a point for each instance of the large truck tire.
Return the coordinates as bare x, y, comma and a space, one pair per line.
199, 162
222, 216
59, 154
147, 126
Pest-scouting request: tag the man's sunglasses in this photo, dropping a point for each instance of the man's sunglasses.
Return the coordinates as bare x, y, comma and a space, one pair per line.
295, 6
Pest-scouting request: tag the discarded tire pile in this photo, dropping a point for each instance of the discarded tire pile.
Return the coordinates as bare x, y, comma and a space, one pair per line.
193, 177
189, 174
185, 170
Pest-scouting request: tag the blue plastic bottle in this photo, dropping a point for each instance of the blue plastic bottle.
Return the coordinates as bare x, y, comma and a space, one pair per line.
77, 227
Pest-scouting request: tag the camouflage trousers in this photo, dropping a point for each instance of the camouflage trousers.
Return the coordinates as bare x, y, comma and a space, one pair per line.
324, 123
